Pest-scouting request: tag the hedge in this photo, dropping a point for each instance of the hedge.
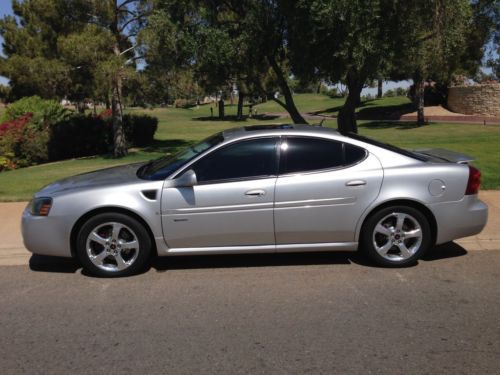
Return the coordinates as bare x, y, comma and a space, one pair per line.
86, 135
23, 143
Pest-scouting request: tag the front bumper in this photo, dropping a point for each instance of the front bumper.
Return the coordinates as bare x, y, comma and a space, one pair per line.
463, 218
45, 235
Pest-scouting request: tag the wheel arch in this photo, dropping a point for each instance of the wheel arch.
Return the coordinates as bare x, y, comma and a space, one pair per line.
404, 202
109, 209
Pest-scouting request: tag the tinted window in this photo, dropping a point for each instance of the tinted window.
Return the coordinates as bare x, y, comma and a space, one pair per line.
309, 154
162, 168
240, 160
386, 146
353, 154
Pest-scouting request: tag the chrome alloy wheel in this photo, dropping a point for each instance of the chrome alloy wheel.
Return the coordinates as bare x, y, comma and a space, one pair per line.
397, 237
112, 246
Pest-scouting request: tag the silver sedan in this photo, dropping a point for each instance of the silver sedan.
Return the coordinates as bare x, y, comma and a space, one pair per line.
260, 189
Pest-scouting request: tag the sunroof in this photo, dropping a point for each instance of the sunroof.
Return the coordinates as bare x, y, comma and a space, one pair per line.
267, 127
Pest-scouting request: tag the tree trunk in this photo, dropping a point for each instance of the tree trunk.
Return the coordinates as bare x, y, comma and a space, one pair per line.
346, 121
80, 107
120, 146
221, 108
379, 89
241, 98
231, 97
289, 104
419, 98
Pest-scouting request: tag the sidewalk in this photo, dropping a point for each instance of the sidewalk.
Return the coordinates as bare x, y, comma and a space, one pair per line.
12, 251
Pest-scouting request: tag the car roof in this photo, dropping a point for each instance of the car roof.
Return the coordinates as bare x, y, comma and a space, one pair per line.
276, 129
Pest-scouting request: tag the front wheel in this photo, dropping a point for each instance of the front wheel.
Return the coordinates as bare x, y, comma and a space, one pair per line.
396, 236
113, 244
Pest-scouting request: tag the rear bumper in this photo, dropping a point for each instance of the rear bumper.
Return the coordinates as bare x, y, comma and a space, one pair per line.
463, 218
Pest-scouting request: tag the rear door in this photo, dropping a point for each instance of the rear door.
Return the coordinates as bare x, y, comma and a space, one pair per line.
323, 188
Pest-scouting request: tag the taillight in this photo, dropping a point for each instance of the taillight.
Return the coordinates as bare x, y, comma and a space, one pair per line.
474, 181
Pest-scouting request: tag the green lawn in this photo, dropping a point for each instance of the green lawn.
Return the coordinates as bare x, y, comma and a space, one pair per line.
180, 127
322, 104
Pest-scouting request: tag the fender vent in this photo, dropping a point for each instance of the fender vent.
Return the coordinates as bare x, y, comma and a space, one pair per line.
150, 194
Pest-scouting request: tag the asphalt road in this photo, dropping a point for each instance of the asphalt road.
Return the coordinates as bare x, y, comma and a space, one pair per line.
258, 314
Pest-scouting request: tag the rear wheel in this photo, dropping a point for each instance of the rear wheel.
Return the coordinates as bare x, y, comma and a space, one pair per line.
396, 236
113, 244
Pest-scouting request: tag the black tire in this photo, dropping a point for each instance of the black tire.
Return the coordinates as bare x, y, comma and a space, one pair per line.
388, 235
130, 233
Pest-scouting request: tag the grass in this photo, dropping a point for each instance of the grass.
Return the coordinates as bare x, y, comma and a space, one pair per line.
181, 127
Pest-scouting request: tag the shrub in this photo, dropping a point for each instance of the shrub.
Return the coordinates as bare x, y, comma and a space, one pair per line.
105, 114
78, 136
21, 144
434, 93
184, 103
390, 93
6, 164
45, 112
139, 129
86, 135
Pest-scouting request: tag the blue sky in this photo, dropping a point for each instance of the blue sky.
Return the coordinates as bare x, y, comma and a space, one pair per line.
5, 8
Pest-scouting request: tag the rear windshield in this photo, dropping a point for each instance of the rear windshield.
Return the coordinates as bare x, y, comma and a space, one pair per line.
386, 146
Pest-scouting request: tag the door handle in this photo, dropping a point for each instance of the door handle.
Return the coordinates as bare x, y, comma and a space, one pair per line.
255, 193
355, 183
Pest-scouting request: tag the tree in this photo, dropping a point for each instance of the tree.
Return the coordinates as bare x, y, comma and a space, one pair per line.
340, 41
487, 28
122, 20
86, 51
75, 49
31, 59
233, 42
434, 47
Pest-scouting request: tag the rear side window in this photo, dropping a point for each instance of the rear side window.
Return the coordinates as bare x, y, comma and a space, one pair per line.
310, 154
241, 160
353, 154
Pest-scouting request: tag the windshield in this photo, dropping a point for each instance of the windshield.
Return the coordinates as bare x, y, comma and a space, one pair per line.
161, 168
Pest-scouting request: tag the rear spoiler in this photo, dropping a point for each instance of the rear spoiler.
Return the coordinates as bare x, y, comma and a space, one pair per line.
441, 153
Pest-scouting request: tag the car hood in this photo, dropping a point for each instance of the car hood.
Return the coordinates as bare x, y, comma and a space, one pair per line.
120, 175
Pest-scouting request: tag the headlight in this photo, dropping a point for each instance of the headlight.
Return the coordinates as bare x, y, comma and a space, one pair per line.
40, 206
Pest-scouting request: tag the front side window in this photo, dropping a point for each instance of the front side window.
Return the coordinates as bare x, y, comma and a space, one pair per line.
246, 159
162, 168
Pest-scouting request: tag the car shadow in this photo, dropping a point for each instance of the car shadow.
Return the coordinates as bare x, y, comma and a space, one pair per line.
444, 251
43, 263
162, 264
40, 263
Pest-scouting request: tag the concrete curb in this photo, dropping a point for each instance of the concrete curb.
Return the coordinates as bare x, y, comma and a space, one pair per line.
13, 252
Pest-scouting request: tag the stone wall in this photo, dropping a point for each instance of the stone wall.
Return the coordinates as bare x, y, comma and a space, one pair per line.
475, 100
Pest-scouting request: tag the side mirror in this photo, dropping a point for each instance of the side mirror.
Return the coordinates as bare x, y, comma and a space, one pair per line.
187, 179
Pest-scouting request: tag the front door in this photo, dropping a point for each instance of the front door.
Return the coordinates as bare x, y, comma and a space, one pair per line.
232, 204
